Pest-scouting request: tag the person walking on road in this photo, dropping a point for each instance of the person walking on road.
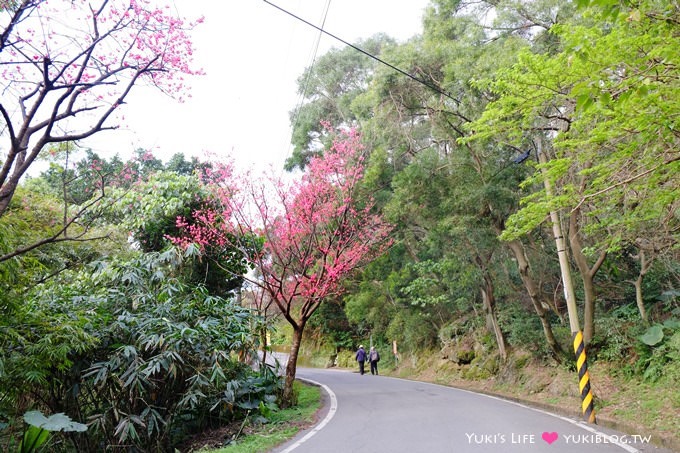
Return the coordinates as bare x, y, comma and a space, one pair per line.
374, 358
361, 358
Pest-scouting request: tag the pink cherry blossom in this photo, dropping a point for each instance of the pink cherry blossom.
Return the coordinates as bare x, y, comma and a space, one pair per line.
69, 65
316, 231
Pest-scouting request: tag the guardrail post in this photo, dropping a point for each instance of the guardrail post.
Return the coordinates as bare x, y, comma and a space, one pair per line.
583, 378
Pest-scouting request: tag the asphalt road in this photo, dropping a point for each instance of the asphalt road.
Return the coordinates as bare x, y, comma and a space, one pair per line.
377, 414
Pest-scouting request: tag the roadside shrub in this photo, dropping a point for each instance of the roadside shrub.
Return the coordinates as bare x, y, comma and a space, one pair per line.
659, 350
346, 359
616, 334
523, 329
454, 329
135, 353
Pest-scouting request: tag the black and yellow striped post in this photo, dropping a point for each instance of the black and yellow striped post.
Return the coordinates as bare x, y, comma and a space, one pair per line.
583, 378
570, 299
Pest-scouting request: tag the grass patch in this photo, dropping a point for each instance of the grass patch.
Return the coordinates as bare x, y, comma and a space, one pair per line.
283, 424
650, 406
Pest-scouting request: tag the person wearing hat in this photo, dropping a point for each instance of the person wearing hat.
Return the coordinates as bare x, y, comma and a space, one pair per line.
361, 358
374, 358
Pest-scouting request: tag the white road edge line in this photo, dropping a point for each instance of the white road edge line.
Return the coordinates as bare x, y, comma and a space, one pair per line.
334, 407
579, 424
331, 413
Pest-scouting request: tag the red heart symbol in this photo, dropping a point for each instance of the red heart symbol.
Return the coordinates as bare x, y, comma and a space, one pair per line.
549, 437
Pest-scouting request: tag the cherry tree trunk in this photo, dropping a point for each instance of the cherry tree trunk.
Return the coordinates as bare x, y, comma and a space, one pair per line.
288, 398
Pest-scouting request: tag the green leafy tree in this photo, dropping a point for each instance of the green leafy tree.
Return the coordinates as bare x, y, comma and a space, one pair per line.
178, 164
150, 211
327, 91
608, 103
454, 50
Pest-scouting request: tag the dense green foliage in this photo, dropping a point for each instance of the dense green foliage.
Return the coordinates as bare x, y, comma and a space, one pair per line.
144, 343
588, 88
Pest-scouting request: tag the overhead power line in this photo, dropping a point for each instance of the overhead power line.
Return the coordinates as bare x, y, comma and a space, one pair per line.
358, 49
303, 94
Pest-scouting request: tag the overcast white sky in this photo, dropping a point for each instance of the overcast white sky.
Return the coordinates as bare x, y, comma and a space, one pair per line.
252, 54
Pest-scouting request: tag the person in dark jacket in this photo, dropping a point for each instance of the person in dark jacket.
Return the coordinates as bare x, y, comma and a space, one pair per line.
374, 358
361, 358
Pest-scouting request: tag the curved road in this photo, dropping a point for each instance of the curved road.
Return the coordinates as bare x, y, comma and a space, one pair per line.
377, 414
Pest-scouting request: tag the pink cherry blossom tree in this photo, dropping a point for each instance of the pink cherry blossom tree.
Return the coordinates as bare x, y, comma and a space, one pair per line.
301, 238
69, 65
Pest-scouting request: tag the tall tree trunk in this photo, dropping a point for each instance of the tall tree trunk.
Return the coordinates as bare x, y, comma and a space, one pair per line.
291, 367
489, 301
638, 298
644, 267
588, 308
536, 297
587, 275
